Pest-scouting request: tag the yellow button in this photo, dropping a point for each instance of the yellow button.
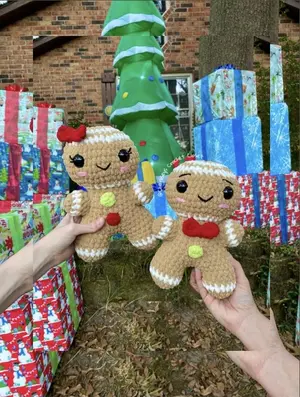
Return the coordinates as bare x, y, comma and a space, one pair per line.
108, 199
195, 251
125, 95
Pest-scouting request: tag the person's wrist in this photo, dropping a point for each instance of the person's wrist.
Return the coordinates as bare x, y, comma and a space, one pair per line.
254, 331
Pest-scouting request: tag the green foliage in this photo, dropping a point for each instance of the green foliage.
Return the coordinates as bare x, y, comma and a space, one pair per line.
78, 121
291, 74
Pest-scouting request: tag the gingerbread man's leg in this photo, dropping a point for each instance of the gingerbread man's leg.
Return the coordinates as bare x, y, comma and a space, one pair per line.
168, 265
218, 276
137, 226
93, 247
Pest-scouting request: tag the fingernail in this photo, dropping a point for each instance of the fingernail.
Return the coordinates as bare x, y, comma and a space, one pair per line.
197, 272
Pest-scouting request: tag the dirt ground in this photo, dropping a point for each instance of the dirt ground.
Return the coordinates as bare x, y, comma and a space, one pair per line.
153, 348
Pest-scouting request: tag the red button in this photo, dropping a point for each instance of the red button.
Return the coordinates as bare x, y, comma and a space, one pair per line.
113, 219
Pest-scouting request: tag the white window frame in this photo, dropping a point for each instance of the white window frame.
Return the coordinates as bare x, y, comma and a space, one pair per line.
189, 77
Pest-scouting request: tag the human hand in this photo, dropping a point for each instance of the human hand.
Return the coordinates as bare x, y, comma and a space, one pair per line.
275, 369
238, 313
58, 246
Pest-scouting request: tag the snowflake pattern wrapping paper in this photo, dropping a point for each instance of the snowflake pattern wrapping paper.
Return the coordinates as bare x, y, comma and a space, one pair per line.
280, 151
276, 70
225, 94
235, 143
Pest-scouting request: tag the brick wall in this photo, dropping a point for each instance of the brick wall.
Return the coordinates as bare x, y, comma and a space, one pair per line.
16, 60
69, 76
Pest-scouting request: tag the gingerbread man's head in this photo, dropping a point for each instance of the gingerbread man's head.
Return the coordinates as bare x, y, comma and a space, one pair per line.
203, 190
102, 157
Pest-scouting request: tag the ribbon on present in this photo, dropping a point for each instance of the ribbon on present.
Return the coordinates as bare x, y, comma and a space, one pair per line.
11, 117
43, 186
297, 339
160, 200
14, 170
42, 125
5, 206
256, 196
71, 295
15, 88
228, 66
282, 208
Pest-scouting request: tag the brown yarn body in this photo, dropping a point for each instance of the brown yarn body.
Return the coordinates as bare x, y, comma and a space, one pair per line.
109, 192
172, 258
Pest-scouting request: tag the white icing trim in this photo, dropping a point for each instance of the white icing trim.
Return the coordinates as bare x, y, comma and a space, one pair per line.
199, 218
166, 228
139, 107
220, 288
92, 139
131, 18
231, 235
136, 50
205, 168
137, 188
164, 278
91, 253
143, 243
76, 203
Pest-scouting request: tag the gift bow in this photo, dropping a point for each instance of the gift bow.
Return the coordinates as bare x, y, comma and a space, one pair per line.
15, 88
67, 134
193, 228
159, 188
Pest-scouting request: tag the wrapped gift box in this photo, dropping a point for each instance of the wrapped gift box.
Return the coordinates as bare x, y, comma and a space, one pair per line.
280, 152
276, 74
10, 169
46, 122
225, 94
54, 202
11, 236
29, 175
235, 143
58, 177
16, 111
24, 210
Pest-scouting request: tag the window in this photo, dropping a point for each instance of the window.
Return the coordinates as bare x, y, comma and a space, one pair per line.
181, 89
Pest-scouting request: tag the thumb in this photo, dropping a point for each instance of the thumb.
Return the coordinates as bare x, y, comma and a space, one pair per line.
93, 227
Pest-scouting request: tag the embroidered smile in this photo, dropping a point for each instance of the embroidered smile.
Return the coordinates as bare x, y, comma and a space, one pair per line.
103, 169
205, 201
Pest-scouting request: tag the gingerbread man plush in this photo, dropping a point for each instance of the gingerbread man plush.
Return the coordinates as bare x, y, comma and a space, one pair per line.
204, 195
104, 161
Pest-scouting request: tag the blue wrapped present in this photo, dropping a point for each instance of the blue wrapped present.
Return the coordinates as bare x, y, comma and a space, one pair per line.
280, 150
4, 156
225, 94
159, 205
236, 143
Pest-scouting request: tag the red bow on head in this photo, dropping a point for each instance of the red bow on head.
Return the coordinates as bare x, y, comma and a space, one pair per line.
192, 228
67, 134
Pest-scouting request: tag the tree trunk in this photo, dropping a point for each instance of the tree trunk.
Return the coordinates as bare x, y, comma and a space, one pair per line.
233, 26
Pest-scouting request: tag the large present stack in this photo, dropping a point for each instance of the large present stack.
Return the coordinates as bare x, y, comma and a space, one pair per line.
37, 328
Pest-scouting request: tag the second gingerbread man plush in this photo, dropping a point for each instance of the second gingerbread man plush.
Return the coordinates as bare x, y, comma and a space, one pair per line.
204, 195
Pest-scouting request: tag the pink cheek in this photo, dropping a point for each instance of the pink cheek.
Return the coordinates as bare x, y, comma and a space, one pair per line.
82, 173
225, 206
124, 169
180, 200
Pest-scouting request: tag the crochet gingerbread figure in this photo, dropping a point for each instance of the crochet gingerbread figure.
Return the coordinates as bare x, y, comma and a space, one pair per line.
104, 161
204, 195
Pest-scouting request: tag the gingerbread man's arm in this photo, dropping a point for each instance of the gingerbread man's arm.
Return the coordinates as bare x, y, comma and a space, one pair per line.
231, 232
143, 193
77, 203
165, 228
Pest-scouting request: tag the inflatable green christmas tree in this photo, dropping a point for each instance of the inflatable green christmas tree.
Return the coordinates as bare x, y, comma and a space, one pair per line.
143, 107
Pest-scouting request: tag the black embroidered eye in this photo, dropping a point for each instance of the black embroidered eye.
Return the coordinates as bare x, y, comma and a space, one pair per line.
228, 193
78, 161
124, 155
182, 186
